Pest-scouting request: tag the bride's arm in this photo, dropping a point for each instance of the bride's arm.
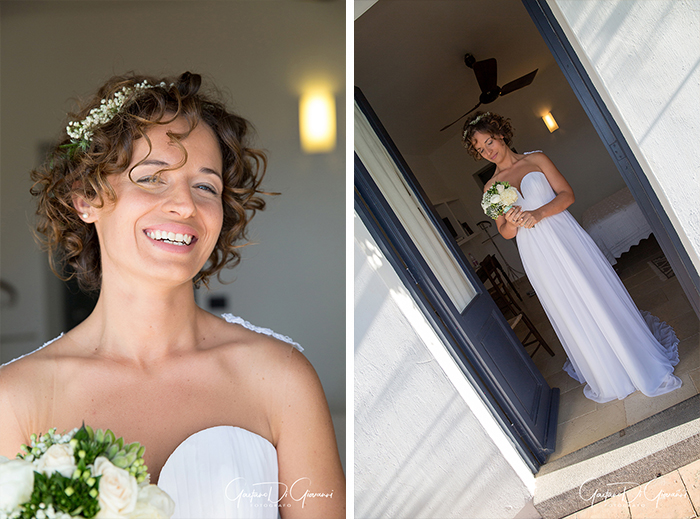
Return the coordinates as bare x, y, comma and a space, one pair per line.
565, 195
508, 223
309, 464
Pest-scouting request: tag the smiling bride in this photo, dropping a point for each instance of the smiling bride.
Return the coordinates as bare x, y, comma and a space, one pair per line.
146, 196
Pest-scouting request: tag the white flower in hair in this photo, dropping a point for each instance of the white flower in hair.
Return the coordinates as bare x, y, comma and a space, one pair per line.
81, 132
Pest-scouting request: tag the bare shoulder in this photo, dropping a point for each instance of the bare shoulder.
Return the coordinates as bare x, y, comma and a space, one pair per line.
281, 375
272, 355
538, 158
261, 348
27, 370
22, 382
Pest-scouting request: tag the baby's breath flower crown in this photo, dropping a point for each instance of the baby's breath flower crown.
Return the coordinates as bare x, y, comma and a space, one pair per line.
81, 132
476, 120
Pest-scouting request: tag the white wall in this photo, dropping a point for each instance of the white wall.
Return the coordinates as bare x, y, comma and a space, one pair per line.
425, 445
644, 58
260, 54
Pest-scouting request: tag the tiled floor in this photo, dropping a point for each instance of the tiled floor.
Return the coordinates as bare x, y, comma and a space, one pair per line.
582, 421
673, 496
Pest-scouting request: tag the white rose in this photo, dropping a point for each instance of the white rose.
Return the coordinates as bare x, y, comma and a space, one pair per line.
118, 490
153, 503
500, 188
58, 458
16, 483
509, 196
495, 199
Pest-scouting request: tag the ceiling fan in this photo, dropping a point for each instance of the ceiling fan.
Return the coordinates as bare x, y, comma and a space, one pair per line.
486, 76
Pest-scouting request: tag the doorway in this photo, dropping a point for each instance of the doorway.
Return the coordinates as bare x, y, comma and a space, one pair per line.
398, 72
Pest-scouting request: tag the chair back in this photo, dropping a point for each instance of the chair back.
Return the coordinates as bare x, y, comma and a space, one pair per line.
499, 289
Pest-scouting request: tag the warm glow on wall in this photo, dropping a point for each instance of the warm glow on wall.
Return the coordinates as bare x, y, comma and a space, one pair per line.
550, 122
317, 122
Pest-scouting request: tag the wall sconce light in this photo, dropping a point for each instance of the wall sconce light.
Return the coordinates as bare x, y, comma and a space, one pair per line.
317, 122
550, 122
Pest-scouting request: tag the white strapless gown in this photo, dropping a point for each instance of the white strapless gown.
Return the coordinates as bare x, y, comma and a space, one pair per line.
612, 347
224, 472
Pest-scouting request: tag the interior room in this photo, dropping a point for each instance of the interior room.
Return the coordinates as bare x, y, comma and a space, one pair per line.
410, 65
264, 57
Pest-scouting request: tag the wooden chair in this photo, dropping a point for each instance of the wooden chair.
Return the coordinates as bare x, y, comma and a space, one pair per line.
495, 264
508, 306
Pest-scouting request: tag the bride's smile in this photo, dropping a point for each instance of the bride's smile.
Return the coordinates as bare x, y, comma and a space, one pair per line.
170, 196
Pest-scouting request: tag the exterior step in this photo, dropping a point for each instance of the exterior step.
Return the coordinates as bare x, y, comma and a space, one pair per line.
658, 445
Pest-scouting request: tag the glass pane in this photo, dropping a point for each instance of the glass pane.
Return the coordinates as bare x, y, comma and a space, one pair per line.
425, 236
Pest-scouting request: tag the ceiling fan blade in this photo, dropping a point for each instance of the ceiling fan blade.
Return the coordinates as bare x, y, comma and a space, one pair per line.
518, 83
470, 111
486, 73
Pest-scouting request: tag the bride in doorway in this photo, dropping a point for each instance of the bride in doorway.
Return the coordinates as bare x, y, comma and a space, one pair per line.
612, 347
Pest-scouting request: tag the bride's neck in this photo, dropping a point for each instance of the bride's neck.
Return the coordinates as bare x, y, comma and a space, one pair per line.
143, 324
507, 161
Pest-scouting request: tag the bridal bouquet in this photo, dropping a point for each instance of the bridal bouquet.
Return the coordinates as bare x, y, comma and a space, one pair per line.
499, 199
81, 474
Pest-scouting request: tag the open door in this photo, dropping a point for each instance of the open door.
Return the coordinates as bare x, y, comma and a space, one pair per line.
395, 210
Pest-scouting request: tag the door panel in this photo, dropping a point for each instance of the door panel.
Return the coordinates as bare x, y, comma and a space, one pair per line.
497, 346
478, 335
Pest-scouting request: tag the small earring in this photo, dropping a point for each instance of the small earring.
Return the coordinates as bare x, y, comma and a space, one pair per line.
85, 215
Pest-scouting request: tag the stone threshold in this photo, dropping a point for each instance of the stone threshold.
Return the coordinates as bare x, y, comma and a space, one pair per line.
637, 454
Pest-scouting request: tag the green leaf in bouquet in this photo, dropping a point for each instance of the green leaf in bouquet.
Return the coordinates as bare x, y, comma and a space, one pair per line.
72, 496
83, 434
87, 450
121, 462
130, 458
112, 451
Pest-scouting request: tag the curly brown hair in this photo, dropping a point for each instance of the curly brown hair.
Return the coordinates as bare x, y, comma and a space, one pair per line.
490, 123
70, 171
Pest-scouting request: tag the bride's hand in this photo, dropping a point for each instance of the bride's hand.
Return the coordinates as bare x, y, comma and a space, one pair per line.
528, 219
513, 216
